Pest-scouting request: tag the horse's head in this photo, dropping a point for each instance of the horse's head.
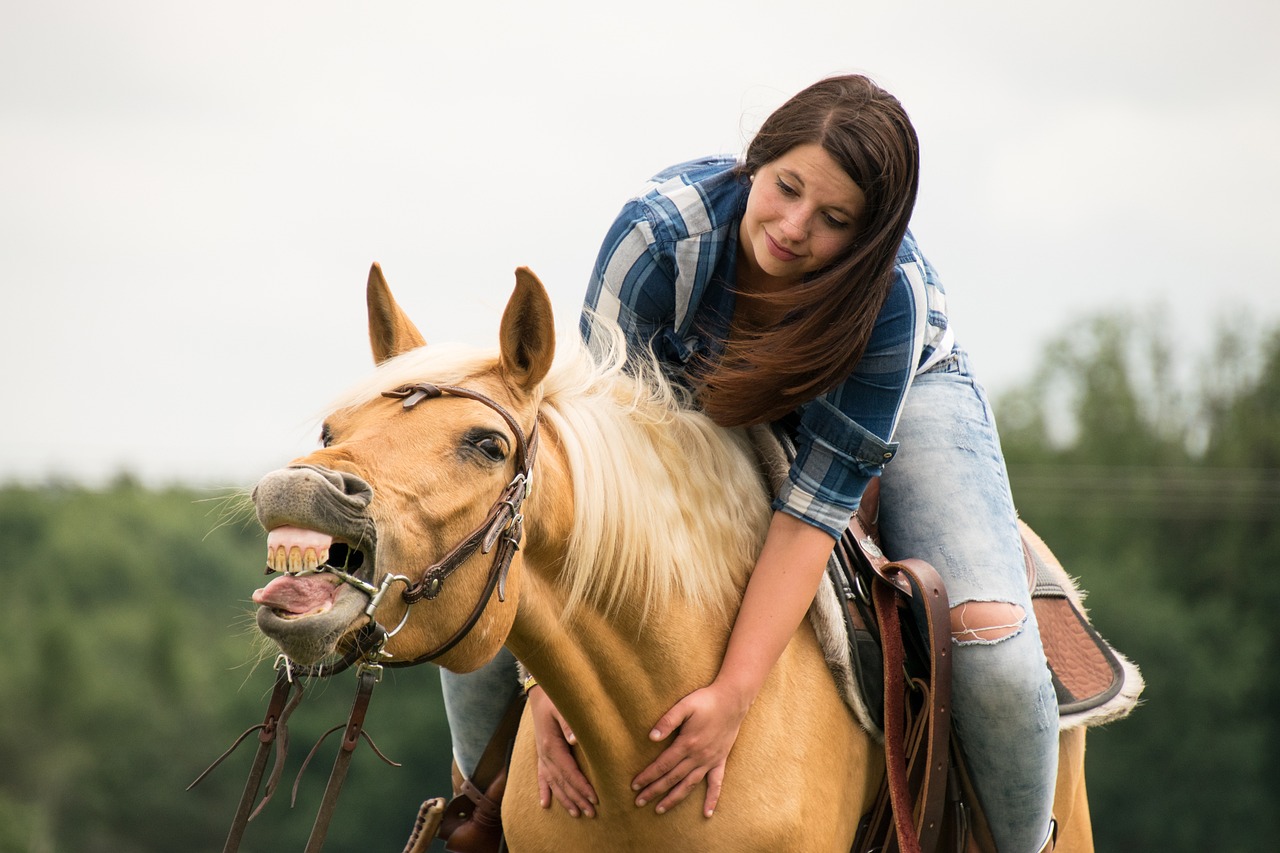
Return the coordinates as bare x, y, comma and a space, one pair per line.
416, 490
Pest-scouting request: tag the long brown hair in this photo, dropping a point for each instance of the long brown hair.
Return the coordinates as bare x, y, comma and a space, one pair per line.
762, 374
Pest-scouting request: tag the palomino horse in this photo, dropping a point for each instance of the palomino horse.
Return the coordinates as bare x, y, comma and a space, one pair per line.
642, 524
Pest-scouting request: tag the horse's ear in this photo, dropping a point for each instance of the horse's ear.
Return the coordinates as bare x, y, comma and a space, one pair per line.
527, 336
391, 332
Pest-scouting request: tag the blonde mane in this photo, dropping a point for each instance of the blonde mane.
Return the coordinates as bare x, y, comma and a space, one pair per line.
667, 505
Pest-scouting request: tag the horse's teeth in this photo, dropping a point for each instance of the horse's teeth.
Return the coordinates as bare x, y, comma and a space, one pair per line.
295, 550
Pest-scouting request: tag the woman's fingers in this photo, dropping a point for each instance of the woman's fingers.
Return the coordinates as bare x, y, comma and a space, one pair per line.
567, 784
715, 780
671, 720
706, 725
559, 776
544, 789
568, 732
661, 776
673, 787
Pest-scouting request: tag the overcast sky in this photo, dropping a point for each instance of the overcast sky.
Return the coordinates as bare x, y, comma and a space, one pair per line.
191, 194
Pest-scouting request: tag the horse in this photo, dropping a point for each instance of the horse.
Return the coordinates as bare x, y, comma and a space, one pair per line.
635, 523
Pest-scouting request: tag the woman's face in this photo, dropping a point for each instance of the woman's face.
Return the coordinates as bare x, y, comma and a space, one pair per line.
802, 212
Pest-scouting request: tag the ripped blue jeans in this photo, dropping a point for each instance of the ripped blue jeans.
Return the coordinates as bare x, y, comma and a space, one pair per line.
945, 499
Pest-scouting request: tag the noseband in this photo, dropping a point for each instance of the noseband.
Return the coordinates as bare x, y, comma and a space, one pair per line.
502, 528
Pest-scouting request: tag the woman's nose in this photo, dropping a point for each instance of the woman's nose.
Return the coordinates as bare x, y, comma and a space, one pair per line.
794, 228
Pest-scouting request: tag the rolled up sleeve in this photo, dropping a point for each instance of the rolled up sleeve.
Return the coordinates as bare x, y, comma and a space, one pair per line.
844, 438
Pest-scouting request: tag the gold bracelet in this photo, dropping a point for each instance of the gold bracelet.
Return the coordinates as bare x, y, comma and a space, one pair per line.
528, 684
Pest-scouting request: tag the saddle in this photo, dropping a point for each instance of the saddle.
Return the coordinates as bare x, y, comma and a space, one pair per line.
1093, 682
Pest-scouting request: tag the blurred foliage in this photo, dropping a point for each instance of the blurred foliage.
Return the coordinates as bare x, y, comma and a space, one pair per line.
132, 660
132, 663
1162, 494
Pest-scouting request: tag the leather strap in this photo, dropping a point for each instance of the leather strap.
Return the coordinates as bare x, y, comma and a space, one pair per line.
886, 604
367, 678
425, 826
472, 821
267, 732
918, 587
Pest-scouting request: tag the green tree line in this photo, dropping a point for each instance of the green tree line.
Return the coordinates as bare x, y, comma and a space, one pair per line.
131, 660
1158, 484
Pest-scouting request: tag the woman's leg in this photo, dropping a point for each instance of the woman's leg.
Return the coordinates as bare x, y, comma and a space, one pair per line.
945, 499
474, 702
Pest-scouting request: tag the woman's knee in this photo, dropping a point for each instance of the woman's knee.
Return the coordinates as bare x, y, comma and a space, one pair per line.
986, 621
999, 664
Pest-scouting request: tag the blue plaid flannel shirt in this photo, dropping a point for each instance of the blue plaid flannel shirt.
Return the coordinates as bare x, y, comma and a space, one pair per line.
664, 275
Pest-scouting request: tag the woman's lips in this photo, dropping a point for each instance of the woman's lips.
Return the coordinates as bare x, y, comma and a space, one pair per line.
777, 250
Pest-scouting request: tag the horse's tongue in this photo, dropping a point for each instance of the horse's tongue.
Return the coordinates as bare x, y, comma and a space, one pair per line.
298, 594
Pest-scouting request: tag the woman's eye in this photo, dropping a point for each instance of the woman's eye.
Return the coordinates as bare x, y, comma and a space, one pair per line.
836, 223
785, 188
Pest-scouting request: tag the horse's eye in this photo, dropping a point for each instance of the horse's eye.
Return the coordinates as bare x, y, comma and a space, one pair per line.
493, 448
326, 435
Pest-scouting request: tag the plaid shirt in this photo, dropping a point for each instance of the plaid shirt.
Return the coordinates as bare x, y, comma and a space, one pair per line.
665, 275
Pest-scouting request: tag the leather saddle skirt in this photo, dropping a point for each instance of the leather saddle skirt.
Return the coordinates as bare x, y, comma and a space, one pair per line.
1094, 683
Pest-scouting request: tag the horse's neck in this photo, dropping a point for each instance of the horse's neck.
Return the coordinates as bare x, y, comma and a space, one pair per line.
613, 676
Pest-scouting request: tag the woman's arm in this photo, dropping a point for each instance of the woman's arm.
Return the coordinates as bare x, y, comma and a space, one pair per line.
706, 722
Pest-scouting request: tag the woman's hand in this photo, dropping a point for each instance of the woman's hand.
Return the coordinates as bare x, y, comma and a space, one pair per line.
706, 724
778, 594
558, 771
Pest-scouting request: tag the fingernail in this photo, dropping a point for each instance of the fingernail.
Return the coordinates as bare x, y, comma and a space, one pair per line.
635, 786
710, 812
659, 810
640, 802
573, 812
656, 734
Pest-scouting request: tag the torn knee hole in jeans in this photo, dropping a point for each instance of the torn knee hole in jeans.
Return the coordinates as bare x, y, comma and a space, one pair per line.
986, 621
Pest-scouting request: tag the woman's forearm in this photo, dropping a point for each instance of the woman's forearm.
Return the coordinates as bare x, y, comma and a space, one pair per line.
778, 595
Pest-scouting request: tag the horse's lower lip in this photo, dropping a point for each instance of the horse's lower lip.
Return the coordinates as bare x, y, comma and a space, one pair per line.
308, 637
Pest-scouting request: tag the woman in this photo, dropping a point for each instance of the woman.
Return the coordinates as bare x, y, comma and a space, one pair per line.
787, 288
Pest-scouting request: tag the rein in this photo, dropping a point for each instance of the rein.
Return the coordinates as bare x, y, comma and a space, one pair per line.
502, 528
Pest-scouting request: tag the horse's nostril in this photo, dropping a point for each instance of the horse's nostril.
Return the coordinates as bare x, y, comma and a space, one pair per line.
355, 487
348, 484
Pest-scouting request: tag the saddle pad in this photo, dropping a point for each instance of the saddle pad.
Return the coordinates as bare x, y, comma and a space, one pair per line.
1095, 683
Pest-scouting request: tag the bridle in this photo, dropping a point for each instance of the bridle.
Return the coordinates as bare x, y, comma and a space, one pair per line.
500, 532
